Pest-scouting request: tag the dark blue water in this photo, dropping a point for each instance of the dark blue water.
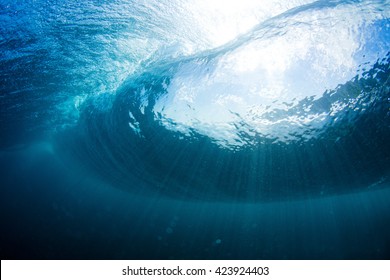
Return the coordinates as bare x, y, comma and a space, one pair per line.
195, 130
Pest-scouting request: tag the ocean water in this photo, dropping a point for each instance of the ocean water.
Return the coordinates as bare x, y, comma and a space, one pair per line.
145, 129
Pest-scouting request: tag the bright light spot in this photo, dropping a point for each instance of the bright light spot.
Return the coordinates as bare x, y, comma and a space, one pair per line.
251, 86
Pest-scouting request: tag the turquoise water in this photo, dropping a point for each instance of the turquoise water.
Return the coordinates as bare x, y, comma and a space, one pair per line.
195, 129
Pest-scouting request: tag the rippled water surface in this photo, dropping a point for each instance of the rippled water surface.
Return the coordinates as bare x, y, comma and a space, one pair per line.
156, 128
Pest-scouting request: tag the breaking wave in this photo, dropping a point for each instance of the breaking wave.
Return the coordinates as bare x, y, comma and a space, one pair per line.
291, 102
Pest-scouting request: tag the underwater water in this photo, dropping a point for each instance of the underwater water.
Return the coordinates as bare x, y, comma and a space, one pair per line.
145, 129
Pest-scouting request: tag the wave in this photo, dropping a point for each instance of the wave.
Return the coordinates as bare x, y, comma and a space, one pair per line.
174, 98
297, 107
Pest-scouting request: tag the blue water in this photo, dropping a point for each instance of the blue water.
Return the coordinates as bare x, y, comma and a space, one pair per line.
147, 129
